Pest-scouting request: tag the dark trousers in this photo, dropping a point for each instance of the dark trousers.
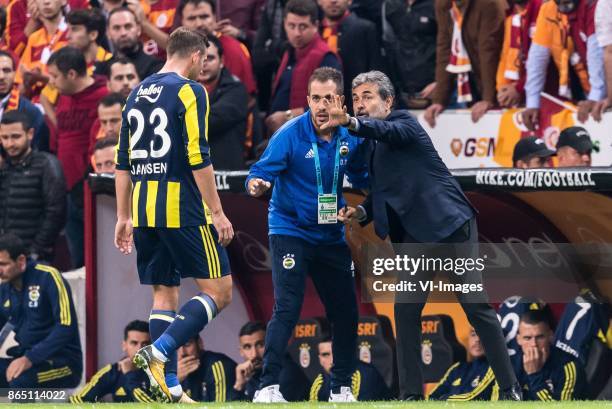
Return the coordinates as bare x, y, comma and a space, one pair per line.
481, 316
54, 373
329, 266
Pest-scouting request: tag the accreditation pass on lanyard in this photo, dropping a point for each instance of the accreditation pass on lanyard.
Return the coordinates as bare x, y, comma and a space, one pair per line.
327, 203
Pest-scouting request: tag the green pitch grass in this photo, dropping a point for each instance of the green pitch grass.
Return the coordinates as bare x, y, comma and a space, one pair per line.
363, 405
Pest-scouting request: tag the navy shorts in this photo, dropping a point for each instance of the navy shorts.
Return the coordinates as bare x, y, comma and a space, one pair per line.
164, 256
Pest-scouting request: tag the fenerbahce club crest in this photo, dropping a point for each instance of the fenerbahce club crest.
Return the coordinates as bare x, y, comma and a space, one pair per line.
33, 295
344, 150
288, 261
304, 355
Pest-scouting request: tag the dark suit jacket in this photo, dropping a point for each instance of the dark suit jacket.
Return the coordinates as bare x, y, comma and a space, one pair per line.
407, 174
359, 49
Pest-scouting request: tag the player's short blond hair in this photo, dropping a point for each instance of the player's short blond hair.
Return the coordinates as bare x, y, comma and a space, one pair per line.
183, 42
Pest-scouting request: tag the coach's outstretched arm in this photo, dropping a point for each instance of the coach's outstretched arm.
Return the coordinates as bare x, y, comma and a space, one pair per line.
399, 132
273, 161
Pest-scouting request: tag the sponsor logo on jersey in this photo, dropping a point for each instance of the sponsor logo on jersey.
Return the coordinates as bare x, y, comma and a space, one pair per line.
151, 93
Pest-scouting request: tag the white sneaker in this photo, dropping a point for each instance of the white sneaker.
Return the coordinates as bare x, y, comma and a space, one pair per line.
345, 395
269, 394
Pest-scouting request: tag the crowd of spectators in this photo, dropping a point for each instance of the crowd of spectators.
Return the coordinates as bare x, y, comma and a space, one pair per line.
69, 65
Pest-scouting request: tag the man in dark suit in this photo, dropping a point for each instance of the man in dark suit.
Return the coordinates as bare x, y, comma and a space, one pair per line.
415, 199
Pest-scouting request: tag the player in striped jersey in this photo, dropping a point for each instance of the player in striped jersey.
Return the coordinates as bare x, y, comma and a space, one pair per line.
545, 373
206, 376
468, 381
173, 212
367, 384
584, 321
35, 300
122, 380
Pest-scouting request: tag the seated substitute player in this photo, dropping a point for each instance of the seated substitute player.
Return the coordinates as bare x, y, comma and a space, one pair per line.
122, 380
466, 381
293, 383
36, 300
584, 321
163, 153
367, 384
509, 315
545, 373
305, 161
205, 376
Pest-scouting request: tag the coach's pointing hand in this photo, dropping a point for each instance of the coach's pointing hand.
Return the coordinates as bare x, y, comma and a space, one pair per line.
337, 113
258, 187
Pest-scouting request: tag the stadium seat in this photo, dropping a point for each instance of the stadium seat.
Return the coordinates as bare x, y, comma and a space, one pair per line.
303, 346
439, 346
376, 345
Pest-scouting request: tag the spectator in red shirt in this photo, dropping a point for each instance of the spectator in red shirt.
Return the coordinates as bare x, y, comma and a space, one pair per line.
23, 19
200, 15
76, 111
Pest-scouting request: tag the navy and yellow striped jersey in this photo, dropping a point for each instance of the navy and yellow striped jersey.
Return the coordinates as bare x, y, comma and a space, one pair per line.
561, 378
467, 381
584, 321
214, 380
164, 137
44, 317
123, 387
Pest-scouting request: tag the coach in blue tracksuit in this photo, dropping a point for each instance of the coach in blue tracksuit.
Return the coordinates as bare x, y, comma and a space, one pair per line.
307, 167
36, 301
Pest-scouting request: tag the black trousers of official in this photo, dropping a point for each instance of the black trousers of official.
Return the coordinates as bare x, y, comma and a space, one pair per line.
329, 266
481, 316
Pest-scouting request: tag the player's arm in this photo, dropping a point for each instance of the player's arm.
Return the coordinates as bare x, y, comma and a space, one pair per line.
566, 381
315, 388
123, 189
195, 102
98, 386
482, 391
217, 379
134, 389
442, 389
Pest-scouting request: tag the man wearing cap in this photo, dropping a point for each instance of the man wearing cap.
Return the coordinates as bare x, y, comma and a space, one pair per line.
530, 153
574, 147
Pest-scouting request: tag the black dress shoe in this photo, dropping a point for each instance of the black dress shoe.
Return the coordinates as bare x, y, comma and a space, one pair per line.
413, 397
512, 393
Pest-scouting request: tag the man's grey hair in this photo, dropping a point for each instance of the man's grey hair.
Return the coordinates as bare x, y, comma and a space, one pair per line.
385, 88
